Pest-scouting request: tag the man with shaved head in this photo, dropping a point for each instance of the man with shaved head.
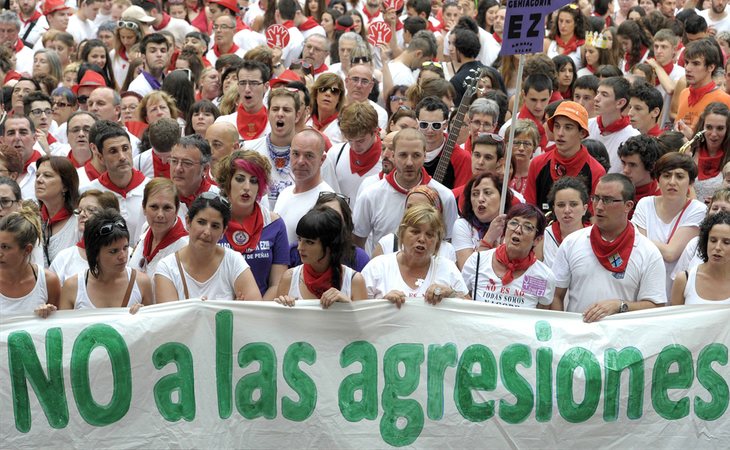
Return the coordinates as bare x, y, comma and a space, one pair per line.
223, 140
106, 103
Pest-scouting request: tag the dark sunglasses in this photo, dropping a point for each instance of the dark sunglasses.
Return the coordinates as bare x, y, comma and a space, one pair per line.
82, 99
333, 89
360, 60
107, 228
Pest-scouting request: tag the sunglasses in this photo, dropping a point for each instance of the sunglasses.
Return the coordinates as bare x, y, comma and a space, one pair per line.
327, 196
435, 126
360, 60
333, 89
82, 99
125, 24
397, 98
108, 228
212, 196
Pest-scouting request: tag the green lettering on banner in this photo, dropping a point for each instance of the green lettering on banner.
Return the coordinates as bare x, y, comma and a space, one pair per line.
93, 336
302, 384
713, 382
662, 380
567, 407
365, 381
513, 355
616, 362
396, 387
224, 362
467, 380
263, 381
182, 382
24, 364
544, 373
439, 358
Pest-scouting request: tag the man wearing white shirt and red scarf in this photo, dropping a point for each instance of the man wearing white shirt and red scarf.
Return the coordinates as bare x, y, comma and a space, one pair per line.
638, 156
19, 133
316, 49
9, 37
611, 127
30, 30
189, 167
164, 135
127, 184
164, 22
251, 116
609, 268
224, 27
537, 90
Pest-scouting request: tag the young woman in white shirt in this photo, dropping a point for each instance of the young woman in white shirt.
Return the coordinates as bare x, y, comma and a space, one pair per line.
568, 199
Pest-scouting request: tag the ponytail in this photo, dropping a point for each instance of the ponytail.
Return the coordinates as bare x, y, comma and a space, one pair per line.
25, 224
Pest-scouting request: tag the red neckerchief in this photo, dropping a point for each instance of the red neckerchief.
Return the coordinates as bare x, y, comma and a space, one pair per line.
654, 131
163, 23
591, 69
567, 95
363, 162
398, 24
308, 24
35, 156
73, 160
91, 171
668, 69
81, 244
123, 54
647, 190
513, 265
60, 216
176, 232
201, 22
317, 283
526, 114
136, 127
18, 46
556, 232
709, 166
343, 28
321, 69
231, 51
570, 46
161, 169
390, 178
432, 28
241, 25
467, 145
251, 126
50, 139
206, 63
696, 94
497, 37
615, 126
369, 15
570, 167
320, 126
244, 237
613, 256
288, 24
137, 179
641, 56
33, 17
204, 187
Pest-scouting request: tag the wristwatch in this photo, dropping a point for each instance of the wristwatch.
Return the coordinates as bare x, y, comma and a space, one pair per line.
624, 307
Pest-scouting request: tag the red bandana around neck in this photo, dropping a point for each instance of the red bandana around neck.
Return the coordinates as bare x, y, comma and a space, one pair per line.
251, 126
570, 46
560, 167
696, 94
18, 46
91, 171
35, 156
614, 256
321, 69
205, 186
555, 227
321, 125
317, 283
137, 179
709, 166
647, 190
176, 232
497, 37
362, 163
288, 24
73, 160
613, 127
243, 237
627, 63
390, 178
654, 131
526, 114
161, 169
516, 265
308, 24
668, 69
81, 244
163, 23
370, 15
232, 50
60, 216
33, 17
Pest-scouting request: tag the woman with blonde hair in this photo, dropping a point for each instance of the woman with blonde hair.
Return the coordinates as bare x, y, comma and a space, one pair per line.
127, 34
47, 62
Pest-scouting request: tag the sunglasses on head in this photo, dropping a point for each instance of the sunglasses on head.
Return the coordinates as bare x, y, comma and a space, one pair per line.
108, 227
126, 24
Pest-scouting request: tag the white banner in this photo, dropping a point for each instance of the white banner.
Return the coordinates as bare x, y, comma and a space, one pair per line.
461, 374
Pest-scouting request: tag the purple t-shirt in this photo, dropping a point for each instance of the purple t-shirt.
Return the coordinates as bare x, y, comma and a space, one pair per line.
273, 248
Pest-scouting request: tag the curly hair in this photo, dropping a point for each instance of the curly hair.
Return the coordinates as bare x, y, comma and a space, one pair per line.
720, 218
580, 22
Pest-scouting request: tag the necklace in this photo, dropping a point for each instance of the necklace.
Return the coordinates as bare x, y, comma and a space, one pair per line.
280, 158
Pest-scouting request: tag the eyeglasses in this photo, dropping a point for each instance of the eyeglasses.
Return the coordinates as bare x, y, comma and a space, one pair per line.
209, 195
108, 228
7, 202
251, 83
398, 98
38, 112
526, 226
331, 196
87, 211
479, 125
333, 89
186, 163
125, 24
360, 60
82, 99
607, 201
435, 126
60, 105
359, 81
222, 27
525, 144
129, 107
312, 48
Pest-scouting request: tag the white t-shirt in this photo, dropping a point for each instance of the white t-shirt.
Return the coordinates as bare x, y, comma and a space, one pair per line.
689, 258
119, 66
81, 29
611, 141
179, 28
382, 275
664, 119
332, 131
337, 173
554, 51
536, 285
68, 262
64, 238
705, 189
220, 286
465, 236
26, 304
27, 184
550, 247
489, 50
24, 60
292, 207
719, 25
577, 268
446, 250
401, 74
691, 297
212, 58
247, 39
141, 86
645, 216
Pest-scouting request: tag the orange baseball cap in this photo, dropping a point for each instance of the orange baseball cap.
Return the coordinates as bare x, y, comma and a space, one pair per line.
573, 111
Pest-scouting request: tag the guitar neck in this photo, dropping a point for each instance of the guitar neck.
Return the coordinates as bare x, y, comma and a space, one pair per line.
454, 130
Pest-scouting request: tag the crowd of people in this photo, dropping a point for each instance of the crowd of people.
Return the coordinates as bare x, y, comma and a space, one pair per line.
344, 150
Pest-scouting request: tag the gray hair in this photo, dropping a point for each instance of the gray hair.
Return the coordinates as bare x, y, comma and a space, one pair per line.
109, 25
484, 106
348, 36
529, 128
10, 17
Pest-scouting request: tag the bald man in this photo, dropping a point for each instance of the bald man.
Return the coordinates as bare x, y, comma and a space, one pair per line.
223, 140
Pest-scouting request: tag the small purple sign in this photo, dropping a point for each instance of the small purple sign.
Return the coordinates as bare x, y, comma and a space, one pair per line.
524, 25
534, 285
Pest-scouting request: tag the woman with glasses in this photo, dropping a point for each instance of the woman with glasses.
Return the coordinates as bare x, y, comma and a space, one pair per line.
107, 282
128, 34
672, 219
322, 275
72, 260
64, 103
396, 99
568, 200
511, 275
415, 270
203, 269
328, 100
25, 287
57, 191
527, 139
253, 231
130, 102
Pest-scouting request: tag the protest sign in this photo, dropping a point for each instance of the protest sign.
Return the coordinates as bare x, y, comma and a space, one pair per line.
277, 36
524, 25
365, 375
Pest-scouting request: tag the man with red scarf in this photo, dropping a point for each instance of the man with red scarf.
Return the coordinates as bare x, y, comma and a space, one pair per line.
379, 207
225, 28
19, 133
10, 27
251, 116
645, 108
347, 165
189, 166
611, 127
569, 126
609, 268
638, 156
286, 12
536, 90
88, 165
667, 73
316, 50
113, 148
702, 59
30, 30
